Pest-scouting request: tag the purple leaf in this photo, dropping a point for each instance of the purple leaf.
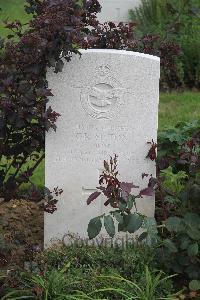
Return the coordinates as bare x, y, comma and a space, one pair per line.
106, 191
44, 92
144, 175
107, 202
185, 156
126, 189
147, 192
182, 161
106, 166
194, 159
152, 182
93, 197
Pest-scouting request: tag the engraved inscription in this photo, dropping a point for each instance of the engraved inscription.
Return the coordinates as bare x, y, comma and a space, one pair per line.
103, 143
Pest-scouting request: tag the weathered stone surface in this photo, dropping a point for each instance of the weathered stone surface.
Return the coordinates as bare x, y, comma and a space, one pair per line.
108, 101
116, 10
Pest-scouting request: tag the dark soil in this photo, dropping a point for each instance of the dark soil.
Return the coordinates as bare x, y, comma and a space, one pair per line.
21, 231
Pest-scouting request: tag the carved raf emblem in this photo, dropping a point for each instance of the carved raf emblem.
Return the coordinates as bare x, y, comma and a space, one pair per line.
101, 101
104, 97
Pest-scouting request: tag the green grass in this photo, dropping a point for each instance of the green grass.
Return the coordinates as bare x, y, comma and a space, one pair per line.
38, 177
66, 269
12, 10
178, 107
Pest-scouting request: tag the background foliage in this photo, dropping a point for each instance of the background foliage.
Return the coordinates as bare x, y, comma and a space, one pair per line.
12, 10
176, 21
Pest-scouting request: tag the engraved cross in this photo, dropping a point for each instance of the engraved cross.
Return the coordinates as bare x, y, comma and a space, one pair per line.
90, 190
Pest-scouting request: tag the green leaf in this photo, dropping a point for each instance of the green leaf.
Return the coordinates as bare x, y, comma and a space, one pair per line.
183, 260
142, 237
170, 245
109, 225
122, 205
130, 202
192, 269
94, 227
194, 285
193, 233
185, 243
79, 2
134, 222
192, 219
193, 249
172, 199
173, 224
122, 227
118, 217
150, 225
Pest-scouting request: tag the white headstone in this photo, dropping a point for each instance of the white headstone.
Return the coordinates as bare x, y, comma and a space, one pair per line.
116, 10
108, 101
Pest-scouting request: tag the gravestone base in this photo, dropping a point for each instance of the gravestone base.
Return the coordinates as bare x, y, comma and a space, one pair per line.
102, 240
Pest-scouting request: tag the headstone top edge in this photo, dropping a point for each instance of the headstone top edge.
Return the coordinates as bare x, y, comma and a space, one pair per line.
124, 52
